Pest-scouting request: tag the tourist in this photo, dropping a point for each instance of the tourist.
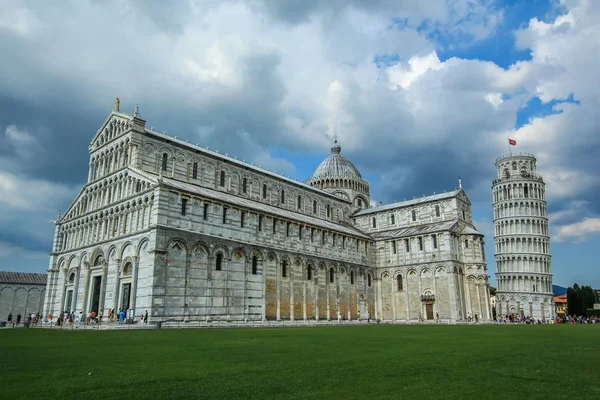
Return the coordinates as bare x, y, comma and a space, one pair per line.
9, 318
146, 317
18, 319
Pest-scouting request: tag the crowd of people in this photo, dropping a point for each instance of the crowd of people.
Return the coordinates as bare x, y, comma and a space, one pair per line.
574, 319
93, 318
32, 319
567, 319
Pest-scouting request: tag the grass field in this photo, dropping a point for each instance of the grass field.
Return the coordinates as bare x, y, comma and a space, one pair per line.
357, 362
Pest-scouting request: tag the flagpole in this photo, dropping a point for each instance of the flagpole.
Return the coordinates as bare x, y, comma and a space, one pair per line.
509, 150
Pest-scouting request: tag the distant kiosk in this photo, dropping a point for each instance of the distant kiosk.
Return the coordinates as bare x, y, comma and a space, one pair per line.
522, 243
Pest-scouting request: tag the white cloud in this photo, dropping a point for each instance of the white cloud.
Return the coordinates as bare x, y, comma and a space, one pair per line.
405, 75
23, 143
575, 209
31, 194
18, 20
244, 76
578, 231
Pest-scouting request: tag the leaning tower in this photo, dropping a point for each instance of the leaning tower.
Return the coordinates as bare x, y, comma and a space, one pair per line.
523, 273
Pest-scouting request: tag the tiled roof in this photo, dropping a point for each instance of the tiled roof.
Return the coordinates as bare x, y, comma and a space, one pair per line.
406, 203
560, 299
23, 277
244, 164
266, 208
471, 231
415, 230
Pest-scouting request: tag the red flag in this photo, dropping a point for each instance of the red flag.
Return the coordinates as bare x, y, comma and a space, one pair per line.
512, 142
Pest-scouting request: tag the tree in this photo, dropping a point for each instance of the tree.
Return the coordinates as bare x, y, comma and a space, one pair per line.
579, 299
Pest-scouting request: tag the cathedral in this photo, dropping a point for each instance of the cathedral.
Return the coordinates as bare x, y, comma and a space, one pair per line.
189, 234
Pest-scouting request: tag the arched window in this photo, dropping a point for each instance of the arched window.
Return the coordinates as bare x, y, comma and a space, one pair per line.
254, 265
369, 280
164, 161
282, 196
393, 219
514, 166
72, 277
437, 211
299, 202
314, 206
399, 282
244, 185
309, 273
328, 210
352, 277
331, 275
466, 244
222, 180
127, 269
506, 173
359, 202
219, 262
284, 269
195, 171
414, 215
264, 191
374, 222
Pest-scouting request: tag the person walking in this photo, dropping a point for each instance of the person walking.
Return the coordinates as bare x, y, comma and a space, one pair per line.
146, 317
19, 319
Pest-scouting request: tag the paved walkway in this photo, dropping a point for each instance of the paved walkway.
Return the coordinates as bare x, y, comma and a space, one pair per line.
225, 324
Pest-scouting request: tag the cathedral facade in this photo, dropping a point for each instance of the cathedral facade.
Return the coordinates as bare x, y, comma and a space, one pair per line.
186, 233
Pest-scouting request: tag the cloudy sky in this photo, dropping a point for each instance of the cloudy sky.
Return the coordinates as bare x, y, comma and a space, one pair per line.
418, 93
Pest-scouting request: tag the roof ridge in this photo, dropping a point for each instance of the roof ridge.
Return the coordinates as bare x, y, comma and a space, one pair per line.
405, 203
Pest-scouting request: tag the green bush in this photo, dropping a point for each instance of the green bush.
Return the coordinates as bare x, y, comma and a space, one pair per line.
590, 312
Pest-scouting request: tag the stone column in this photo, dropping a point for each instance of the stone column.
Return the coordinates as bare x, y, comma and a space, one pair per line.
478, 301
419, 297
304, 300
317, 299
75, 289
63, 289
436, 308
264, 290
393, 299
86, 288
467, 295
377, 293
327, 289
405, 282
278, 288
102, 289
292, 275
117, 286
453, 294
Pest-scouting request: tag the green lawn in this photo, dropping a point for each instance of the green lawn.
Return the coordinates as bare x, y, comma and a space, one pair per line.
354, 362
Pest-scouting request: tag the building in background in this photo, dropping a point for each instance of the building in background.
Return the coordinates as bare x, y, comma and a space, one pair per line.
21, 293
560, 305
522, 243
186, 233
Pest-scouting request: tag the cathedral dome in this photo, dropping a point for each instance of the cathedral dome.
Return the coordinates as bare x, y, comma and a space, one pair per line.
335, 166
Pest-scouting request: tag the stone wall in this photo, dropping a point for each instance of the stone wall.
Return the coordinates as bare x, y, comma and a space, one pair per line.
21, 299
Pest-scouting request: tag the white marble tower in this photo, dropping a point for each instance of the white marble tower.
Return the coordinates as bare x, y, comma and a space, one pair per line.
522, 243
